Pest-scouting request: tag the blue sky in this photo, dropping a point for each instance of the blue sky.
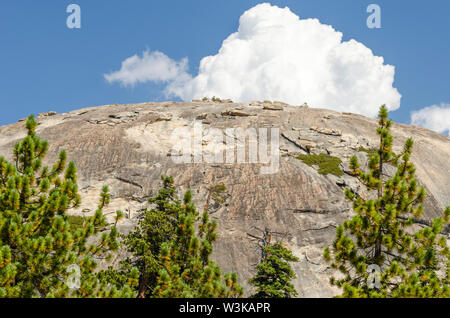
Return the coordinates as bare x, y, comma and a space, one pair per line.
46, 66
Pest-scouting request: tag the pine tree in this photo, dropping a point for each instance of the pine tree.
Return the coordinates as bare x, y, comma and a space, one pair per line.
155, 227
380, 236
187, 270
431, 254
274, 273
158, 228
39, 251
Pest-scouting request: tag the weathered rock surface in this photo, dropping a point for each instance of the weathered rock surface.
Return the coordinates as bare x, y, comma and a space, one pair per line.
127, 148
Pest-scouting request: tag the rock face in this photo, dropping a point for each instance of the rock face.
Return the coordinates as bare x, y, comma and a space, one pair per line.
128, 147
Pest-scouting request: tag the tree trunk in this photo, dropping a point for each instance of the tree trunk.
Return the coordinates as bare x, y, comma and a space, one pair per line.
143, 287
380, 194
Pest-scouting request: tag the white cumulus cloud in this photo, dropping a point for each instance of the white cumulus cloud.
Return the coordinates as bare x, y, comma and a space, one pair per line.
435, 117
276, 55
152, 66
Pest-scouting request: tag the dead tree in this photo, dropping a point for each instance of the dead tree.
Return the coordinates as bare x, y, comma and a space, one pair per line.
265, 239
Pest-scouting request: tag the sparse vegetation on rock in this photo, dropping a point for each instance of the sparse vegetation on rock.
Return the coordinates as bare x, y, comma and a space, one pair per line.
326, 163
